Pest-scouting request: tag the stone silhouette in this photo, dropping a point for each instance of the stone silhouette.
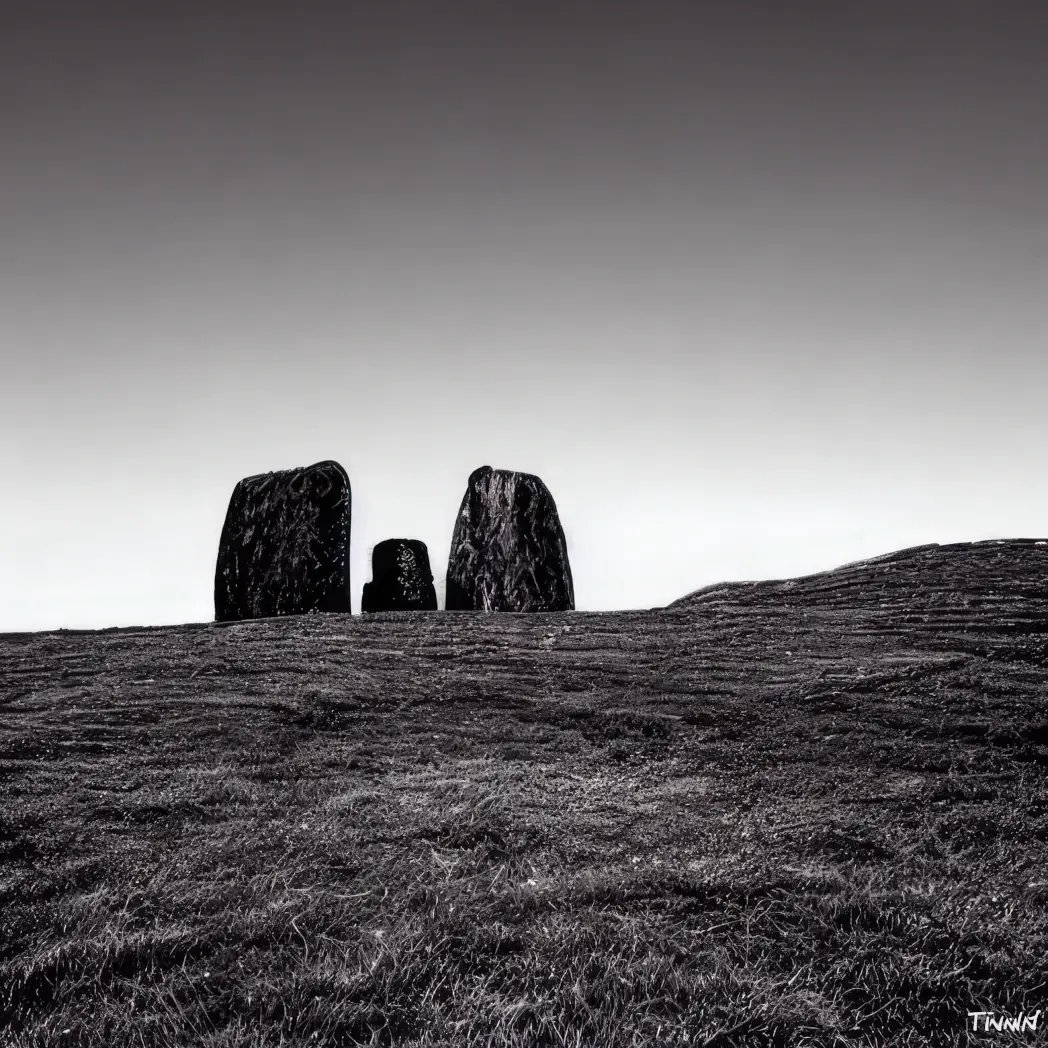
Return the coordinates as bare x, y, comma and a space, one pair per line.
285, 544
401, 579
508, 551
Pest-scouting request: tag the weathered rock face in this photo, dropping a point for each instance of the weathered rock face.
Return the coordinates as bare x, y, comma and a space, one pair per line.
285, 544
508, 551
401, 579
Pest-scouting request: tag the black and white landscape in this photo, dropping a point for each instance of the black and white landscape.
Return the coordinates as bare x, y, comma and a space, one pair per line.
367, 368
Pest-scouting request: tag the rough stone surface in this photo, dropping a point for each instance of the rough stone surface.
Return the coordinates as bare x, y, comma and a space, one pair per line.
401, 579
508, 551
285, 544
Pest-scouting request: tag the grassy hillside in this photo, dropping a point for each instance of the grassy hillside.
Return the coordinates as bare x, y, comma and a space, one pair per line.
808, 812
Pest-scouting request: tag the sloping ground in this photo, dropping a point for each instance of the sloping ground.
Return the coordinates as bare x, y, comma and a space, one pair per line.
1007, 577
802, 812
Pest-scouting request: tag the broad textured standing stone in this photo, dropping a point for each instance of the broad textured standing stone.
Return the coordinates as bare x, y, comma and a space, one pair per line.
508, 551
285, 544
401, 579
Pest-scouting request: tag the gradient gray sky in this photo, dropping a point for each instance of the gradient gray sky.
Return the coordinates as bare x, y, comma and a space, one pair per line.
757, 288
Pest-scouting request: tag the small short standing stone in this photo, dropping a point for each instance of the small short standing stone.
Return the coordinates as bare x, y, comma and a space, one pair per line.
401, 579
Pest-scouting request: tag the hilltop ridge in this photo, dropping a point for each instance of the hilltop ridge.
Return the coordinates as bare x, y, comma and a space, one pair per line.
806, 811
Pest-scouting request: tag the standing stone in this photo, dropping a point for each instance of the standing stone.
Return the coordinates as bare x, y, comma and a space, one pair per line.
285, 544
401, 579
508, 551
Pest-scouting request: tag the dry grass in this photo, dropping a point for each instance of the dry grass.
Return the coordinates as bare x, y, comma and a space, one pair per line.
687, 828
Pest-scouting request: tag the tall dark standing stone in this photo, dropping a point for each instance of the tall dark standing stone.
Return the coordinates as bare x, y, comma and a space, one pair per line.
508, 551
285, 544
401, 579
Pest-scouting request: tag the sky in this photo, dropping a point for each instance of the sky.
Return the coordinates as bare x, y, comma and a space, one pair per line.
756, 288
